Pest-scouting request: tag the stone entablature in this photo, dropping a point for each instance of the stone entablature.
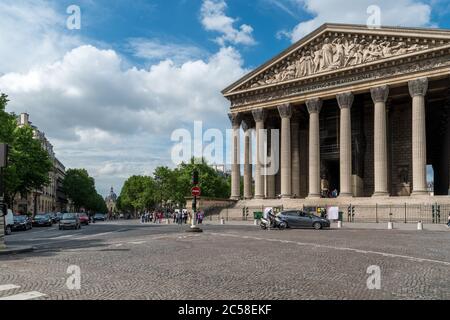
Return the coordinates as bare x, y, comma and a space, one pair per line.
345, 57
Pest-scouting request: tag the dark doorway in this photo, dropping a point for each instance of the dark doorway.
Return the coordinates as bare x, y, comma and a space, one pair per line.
330, 177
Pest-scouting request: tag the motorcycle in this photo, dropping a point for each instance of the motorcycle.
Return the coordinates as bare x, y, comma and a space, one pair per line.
273, 222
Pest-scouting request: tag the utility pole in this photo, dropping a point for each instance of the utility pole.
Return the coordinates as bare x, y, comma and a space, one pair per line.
3, 208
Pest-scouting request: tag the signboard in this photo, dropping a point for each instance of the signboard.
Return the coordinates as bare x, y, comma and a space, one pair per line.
333, 213
196, 191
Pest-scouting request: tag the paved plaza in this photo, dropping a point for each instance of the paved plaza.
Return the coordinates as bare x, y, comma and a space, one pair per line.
128, 260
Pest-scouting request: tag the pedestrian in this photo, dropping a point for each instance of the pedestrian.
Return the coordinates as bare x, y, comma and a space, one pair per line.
174, 214
448, 224
179, 217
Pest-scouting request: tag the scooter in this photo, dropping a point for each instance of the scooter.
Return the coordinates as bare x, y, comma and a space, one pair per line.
273, 222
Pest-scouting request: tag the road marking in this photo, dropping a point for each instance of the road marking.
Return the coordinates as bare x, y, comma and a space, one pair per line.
137, 242
119, 245
25, 296
7, 287
62, 237
384, 254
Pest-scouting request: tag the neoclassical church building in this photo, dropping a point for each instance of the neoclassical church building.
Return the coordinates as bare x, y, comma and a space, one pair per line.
359, 110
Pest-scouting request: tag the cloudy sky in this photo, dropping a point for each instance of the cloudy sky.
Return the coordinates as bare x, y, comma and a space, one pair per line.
109, 95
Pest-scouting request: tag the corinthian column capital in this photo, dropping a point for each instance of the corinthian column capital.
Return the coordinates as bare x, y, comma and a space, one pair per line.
285, 110
314, 105
345, 100
380, 94
245, 125
259, 114
235, 119
418, 87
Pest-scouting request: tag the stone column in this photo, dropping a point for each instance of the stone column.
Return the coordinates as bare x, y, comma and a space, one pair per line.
379, 97
248, 181
235, 119
286, 183
259, 115
270, 177
295, 140
314, 106
345, 101
418, 89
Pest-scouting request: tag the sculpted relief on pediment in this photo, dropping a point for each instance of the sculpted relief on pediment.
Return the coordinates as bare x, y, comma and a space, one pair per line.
333, 53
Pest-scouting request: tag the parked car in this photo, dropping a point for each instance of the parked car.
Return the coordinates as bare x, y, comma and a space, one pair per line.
54, 217
22, 223
42, 220
84, 219
99, 217
300, 219
9, 222
70, 221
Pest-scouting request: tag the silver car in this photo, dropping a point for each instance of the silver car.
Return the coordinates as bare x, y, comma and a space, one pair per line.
70, 221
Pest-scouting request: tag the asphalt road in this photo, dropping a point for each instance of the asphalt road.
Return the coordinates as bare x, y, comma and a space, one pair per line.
128, 260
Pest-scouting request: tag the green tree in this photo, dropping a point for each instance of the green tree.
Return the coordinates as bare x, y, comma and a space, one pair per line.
29, 164
138, 194
79, 187
7, 121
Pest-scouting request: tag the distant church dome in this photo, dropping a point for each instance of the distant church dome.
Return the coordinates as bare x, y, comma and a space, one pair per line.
112, 196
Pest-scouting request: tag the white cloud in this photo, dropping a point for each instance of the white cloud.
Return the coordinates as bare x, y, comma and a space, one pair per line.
409, 13
31, 34
96, 112
213, 18
155, 50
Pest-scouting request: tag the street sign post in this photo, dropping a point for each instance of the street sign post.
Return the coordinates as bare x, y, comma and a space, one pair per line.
196, 192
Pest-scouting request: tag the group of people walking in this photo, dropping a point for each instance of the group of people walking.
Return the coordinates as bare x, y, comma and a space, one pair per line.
152, 217
181, 217
178, 217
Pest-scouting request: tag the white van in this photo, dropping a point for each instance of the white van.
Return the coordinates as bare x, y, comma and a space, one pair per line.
9, 222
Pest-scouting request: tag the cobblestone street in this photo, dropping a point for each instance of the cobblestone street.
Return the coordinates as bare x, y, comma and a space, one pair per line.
127, 260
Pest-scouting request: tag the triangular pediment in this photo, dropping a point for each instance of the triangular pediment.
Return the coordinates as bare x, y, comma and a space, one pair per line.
333, 48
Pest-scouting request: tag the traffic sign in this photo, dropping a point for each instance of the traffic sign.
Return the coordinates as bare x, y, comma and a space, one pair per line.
196, 191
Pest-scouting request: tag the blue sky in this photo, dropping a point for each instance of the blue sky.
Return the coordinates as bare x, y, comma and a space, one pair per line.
108, 96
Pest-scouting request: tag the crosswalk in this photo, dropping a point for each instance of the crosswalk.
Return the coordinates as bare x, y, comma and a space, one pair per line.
5, 288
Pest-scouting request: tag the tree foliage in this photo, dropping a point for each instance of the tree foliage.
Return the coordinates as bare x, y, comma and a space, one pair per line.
80, 188
28, 164
170, 187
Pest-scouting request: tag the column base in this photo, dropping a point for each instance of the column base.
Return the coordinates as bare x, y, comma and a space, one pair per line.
286, 196
313, 196
346, 195
235, 198
381, 194
258, 197
420, 193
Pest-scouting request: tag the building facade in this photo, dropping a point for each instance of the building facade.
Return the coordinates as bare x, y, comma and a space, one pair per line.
360, 111
111, 202
50, 198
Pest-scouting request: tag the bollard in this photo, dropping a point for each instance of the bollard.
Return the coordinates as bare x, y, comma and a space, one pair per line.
222, 221
256, 222
167, 221
420, 226
339, 225
390, 225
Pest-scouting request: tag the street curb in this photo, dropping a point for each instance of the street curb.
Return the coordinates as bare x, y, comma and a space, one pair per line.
15, 250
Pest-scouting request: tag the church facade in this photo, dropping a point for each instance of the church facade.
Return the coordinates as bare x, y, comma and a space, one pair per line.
359, 111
